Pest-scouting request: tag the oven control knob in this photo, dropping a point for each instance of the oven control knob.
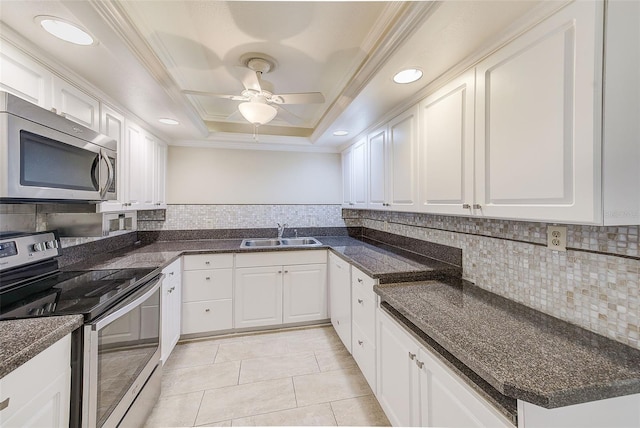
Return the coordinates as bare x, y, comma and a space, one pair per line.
40, 246
51, 244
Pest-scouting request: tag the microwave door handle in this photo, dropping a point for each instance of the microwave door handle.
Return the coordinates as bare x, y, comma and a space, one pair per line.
110, 174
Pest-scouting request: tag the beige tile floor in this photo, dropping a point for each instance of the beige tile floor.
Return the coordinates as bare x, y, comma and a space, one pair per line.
296, 377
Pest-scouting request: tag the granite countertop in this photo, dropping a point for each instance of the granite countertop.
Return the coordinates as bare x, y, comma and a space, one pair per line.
24, 339
522, 353
384, 264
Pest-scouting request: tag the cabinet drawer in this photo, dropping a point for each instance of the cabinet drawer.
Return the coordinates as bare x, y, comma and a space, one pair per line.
210, 284
364, 352
208, 261
361, 280
363, 308
210, 315
24, 386
280, 258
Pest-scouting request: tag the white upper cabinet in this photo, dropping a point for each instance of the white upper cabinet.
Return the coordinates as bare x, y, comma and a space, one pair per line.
354, 170
377, 174
112, 125
23, 77
402, 164
76, 105
160, 176
537, 134
446, 148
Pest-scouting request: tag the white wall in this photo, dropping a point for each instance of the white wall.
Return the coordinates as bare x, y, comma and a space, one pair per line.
221, 176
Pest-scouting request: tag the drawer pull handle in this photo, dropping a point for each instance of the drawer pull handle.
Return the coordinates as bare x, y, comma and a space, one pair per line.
360, 342
360, 280
412, 355
207, 263
171, 273
360, 301
477, 206
466, 206
208, 278
419, 363
338, 322
286, 271
207, 310
5, 404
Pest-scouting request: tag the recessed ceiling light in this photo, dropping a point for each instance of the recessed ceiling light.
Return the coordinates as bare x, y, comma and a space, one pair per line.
168, 121
407, 76
340, 133
65, 30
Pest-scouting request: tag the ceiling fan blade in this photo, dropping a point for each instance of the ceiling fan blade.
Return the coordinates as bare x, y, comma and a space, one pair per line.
214, 95
249, 78
288, 116
301, 98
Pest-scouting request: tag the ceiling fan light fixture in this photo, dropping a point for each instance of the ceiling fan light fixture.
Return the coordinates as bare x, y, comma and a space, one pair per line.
257, 113
408, 75
65, 30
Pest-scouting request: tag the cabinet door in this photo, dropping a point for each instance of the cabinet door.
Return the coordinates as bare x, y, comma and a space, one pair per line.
37, 393
402, 179
377, 173
171, 308
340, 298
112, 124
537, 136
147, 169
22, 76
347, 179
446, 148
447, 401
134, 152
359, 165
258, 296
160, 176
304, 293
76, 105
396, 376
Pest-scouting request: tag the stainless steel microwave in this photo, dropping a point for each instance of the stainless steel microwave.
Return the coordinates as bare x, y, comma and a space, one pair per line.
46, 157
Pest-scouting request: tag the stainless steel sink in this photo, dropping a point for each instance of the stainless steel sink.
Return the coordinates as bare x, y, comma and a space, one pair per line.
280, 242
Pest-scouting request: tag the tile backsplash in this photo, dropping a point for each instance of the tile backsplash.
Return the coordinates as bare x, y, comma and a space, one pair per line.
595, 284
190, 217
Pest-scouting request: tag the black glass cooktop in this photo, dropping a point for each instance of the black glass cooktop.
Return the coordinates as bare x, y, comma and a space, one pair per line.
72, 293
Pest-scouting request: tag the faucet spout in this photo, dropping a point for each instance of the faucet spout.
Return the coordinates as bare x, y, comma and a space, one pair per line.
281, 228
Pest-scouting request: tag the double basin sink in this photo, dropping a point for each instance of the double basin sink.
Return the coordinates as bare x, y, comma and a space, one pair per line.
280, 242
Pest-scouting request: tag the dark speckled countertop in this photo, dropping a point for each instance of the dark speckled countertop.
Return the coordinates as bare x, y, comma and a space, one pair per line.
21, 340
522, 353
384, 264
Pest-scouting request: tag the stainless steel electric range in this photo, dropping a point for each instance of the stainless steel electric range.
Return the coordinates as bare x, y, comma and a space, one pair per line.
116, 366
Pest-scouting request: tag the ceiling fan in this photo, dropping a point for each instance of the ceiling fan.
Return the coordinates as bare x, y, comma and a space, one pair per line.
260, 104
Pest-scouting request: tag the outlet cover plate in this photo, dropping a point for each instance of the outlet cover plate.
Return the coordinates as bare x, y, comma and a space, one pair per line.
557, 238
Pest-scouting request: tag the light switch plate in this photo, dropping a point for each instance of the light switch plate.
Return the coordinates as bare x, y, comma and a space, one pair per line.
557, 238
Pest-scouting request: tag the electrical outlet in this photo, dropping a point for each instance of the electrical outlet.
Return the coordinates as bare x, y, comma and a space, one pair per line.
557, 238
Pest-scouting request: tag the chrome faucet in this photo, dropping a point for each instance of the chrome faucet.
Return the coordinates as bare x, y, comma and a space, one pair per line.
281, 228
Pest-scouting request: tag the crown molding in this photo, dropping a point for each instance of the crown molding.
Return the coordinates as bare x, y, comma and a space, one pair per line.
114, 15
238, 142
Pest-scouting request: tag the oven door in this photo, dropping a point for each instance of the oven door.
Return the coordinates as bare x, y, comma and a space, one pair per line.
46, 164
121, 350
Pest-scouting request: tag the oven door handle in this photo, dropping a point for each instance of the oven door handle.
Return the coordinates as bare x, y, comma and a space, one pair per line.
138, 298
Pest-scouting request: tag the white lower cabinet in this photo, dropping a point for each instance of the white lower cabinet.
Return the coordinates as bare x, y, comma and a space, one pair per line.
340, 298
37, 394
171, 301
304, 293
273, 288
363, 328
207, 293
258, 296
416, 389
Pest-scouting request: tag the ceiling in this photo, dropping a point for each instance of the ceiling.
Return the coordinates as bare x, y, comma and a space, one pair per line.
149, 52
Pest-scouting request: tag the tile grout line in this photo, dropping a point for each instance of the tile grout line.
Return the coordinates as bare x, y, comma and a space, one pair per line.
295, 396
333, 413
199, 407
